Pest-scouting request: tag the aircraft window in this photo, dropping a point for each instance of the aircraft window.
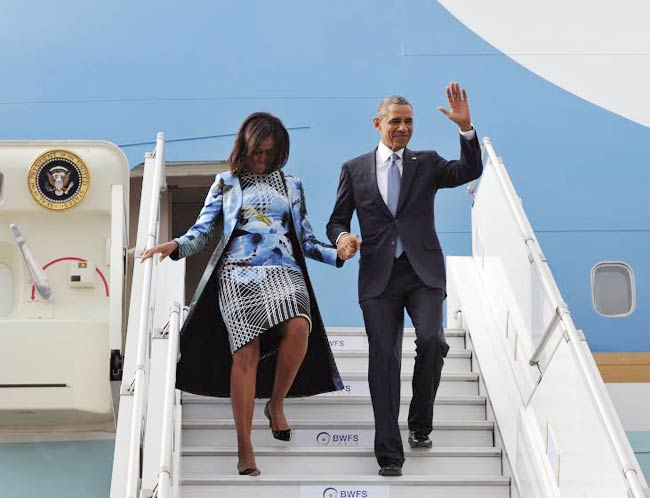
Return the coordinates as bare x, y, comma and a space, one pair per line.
613, 292
6, 290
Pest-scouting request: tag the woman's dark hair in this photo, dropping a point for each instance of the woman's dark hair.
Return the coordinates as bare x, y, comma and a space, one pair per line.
253, 131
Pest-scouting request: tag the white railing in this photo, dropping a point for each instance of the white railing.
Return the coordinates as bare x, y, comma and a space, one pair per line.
562, 316
166, 475
126, 481
147, 459
170, 278
557, 423
144, 332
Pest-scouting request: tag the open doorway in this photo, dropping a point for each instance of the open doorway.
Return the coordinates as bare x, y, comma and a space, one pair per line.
187, 186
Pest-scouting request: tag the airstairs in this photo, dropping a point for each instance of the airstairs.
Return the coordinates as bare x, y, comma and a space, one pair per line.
521, 409
333, 438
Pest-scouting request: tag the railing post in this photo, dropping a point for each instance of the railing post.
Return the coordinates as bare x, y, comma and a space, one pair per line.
165, 476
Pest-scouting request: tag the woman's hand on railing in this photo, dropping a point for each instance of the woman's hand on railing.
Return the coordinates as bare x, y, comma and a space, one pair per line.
163, 249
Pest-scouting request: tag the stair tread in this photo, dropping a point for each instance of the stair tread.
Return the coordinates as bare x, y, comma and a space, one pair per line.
361, 353
446, 376
476, 425
407, 331
333, 400
415, 479
276, 451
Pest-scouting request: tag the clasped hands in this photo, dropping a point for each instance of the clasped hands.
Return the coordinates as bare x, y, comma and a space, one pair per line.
347, 246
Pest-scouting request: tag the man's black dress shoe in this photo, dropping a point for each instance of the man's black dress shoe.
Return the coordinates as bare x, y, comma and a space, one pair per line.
419, 440
390, 471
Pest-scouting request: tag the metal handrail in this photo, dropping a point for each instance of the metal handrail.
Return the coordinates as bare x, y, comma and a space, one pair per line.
165, 469
561, 310
35, 270
563, 316
135, 443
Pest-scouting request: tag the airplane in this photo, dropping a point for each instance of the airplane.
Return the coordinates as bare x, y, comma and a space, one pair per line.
556, 94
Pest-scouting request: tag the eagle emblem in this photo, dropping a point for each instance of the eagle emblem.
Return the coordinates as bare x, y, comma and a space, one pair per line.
58, 180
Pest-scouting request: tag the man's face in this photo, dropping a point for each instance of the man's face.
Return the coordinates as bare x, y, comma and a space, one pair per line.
396, 126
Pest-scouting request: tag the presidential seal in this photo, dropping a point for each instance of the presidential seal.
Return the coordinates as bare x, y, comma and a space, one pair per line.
58, 180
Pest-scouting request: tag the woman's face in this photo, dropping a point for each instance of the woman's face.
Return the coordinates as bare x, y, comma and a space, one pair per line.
260, 159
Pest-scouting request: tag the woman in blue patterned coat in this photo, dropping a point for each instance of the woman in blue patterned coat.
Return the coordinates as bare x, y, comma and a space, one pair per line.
254, 329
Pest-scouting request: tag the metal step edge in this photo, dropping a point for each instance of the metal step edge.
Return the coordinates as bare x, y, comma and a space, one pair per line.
337, 400
446, 376
407, 376
450, 451
406, 480
220, 424
410, 331
360, 353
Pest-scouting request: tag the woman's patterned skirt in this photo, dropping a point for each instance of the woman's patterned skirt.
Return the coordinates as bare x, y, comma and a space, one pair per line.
255, 299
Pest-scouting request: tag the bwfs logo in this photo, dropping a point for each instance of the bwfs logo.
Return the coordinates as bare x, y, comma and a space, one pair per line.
337, 439
345, 493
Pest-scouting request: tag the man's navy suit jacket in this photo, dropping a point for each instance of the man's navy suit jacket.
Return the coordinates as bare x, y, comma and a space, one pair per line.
423, 173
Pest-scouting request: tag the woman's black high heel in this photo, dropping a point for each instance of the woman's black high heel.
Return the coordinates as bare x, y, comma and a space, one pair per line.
284, 435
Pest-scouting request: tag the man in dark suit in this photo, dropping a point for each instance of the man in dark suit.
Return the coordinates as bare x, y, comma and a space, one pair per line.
402, 265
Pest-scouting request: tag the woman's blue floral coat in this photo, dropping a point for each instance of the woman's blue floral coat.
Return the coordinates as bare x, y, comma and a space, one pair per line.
205, 361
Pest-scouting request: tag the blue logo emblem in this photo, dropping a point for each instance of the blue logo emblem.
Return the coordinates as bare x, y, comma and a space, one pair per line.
330, 493
324, 438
